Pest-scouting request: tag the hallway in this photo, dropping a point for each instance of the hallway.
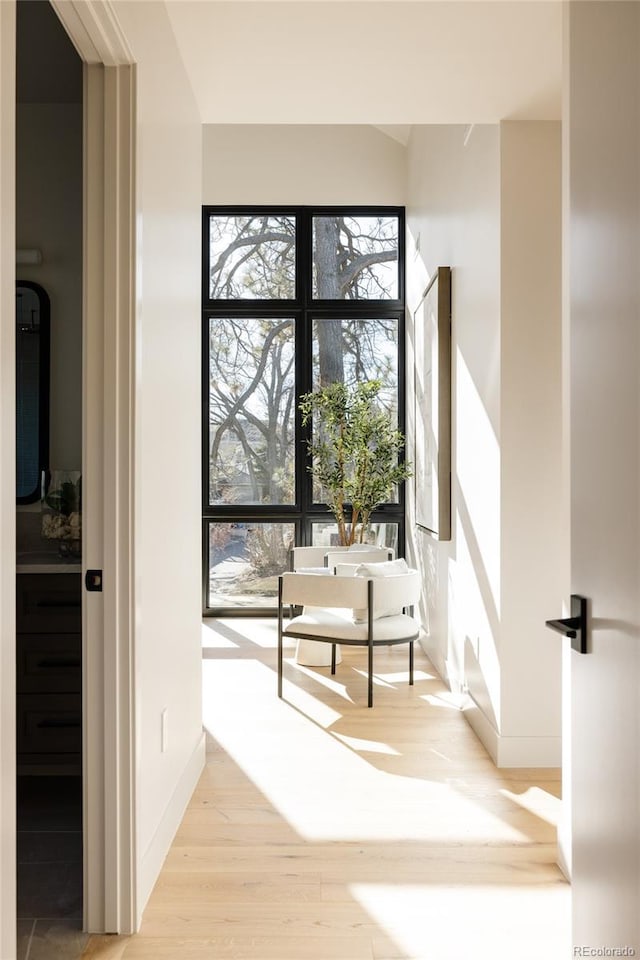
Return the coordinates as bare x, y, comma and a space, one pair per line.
322, 830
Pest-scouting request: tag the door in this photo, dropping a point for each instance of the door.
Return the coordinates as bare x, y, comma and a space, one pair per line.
7, 483
602, 319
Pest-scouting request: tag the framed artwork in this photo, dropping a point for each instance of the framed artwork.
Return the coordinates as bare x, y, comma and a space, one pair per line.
432, 462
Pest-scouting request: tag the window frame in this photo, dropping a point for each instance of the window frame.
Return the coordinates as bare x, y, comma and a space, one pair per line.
303, 513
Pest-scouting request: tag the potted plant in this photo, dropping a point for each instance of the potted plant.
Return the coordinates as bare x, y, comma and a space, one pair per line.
61, 511
355, 453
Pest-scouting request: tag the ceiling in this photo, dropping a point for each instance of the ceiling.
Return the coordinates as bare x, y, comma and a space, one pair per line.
390, 63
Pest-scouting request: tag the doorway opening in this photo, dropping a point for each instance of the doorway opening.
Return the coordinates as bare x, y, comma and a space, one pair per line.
49, 190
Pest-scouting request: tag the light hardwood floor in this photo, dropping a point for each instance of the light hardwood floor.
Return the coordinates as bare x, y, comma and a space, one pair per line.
322, 830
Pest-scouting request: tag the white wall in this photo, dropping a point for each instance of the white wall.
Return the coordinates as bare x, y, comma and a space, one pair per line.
602, 324
491, 210
7, 485
49, 217
319, 164
453, 215
167, 445
534, 551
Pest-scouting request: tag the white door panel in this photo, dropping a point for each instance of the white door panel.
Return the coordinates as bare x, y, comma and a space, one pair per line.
602, 327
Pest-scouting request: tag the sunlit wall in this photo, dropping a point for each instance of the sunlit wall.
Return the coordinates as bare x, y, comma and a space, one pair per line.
485, 201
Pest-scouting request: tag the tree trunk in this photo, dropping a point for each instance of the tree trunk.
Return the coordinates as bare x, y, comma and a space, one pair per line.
328, 332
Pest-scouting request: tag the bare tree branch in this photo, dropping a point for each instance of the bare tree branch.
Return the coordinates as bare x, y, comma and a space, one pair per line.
363, 261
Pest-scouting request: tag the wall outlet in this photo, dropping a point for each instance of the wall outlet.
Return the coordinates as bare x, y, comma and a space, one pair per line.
164, 730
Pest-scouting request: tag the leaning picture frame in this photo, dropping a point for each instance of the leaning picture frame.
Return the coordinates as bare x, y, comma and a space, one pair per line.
432, 460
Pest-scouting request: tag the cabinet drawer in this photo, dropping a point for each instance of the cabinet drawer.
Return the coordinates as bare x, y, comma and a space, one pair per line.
48, 603
49, 723
49, 663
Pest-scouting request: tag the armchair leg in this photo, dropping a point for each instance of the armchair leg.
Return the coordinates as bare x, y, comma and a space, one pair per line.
333, 658
411, 663
280, 637
370, 637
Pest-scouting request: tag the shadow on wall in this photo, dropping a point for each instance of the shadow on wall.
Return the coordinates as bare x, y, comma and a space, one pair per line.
462, 577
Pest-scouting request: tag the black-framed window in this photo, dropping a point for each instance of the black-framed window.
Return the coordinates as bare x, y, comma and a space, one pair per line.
292, 298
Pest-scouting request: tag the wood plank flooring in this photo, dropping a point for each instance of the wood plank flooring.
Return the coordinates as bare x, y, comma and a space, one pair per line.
322, 830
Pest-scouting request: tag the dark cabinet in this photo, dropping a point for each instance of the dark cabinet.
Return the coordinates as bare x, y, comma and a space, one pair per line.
49, 673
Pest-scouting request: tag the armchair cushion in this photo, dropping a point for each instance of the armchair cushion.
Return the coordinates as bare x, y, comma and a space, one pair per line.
389, 568
337, 624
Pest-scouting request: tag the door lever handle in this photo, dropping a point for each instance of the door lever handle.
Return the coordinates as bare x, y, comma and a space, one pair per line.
575, 626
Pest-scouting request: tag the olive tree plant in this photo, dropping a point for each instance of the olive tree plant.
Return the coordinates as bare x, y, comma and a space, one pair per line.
355, 453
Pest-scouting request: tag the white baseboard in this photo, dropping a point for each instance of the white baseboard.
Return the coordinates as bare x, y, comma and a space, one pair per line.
544, 752
154, 855
482, 727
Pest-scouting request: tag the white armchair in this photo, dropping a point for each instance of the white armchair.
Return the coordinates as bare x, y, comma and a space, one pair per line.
362, 610
323, 560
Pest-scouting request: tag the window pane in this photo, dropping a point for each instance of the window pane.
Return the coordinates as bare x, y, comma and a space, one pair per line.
350, 351
245, 560
325, 534
354, 351
252, 258
251, 411
355, 258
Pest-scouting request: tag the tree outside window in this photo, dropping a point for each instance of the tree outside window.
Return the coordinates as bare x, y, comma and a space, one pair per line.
278, 282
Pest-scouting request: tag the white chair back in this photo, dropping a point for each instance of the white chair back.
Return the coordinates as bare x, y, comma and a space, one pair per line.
369, 555
401, 591
302, 558
309, 590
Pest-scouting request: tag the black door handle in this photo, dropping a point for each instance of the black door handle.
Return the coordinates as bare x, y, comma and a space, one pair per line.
574, 626
93, 581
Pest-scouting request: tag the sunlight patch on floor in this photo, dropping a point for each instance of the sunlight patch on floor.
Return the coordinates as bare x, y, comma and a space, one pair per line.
496, 922
378, 679
399, 676
452, 701
324, 680
366, 746
539, 802
352, 802
262, 633
213, 640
